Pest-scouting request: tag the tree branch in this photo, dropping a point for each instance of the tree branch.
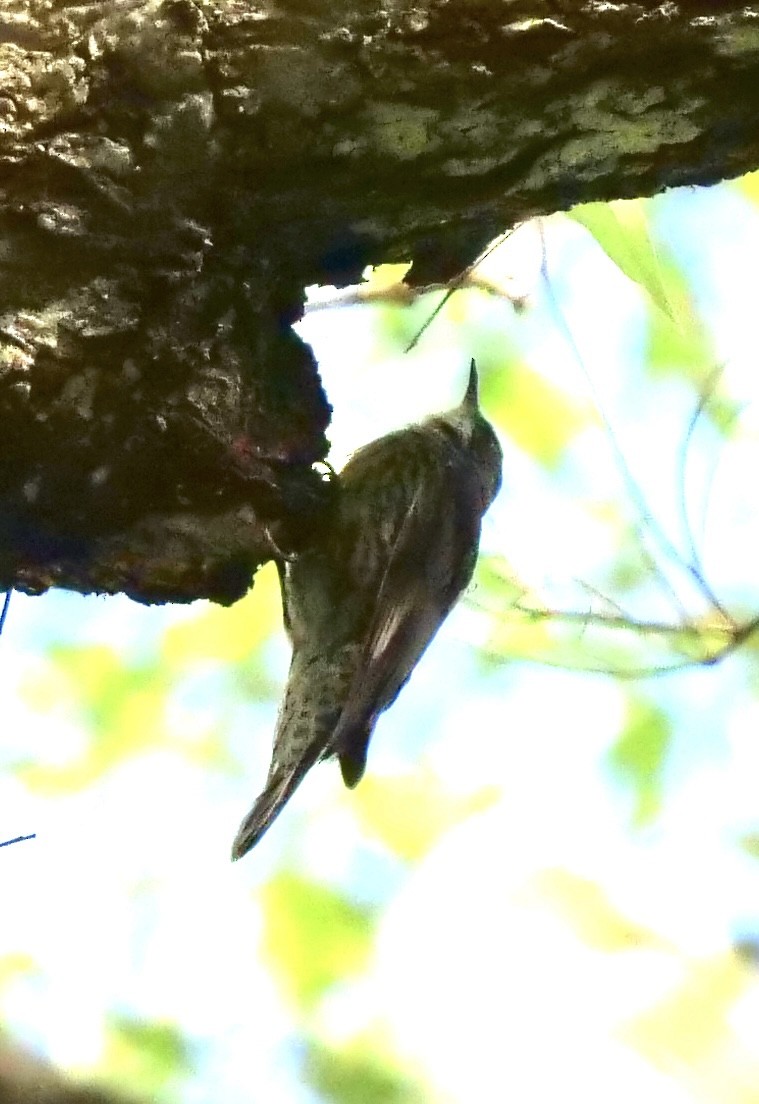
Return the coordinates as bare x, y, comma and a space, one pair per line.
172, 175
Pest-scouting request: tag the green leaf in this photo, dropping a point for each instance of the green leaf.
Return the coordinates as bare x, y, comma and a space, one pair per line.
585, 907
148, 1057
313, 937
748, 186
750, 844
410, 814
15, 965
227, 635
537, 416
350, 1076
623, 230
120, 704
639, 756
685, 349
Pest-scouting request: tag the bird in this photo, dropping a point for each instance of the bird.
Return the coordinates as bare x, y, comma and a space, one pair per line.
363, 602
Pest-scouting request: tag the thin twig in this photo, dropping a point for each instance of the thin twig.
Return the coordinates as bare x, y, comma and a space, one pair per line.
400, 294
4, 611
630, 674
456, 283
694, 565
617, 621
595, 593
736, 636
18, 839
703, 401
645, 518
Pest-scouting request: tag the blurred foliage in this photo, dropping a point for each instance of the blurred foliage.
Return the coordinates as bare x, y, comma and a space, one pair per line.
227, 636
640, 754
586, 909
314, 936
120, 700
750, 844
151, 1058
679, 346
15, 965
119, 704
346, 1077
409, 815
748, 185
640, 603
690, 1030
535, 415
624, 231
595, 637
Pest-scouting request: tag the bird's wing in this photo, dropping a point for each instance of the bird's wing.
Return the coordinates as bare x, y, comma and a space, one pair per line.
430, 562
286, 618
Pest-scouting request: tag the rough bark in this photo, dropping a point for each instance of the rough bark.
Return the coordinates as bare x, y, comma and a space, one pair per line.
173, 174
28, 1079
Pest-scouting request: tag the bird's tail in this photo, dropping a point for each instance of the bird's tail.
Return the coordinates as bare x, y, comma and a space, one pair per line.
270, 803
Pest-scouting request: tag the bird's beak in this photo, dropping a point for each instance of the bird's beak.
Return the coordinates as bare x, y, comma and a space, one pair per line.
471, 397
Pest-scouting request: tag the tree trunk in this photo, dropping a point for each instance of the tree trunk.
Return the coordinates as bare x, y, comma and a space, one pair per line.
172, 175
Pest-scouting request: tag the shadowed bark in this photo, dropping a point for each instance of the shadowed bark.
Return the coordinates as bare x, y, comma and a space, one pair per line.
28, 1079
172, 175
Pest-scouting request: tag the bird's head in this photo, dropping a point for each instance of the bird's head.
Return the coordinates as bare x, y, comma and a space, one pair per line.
478, 437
